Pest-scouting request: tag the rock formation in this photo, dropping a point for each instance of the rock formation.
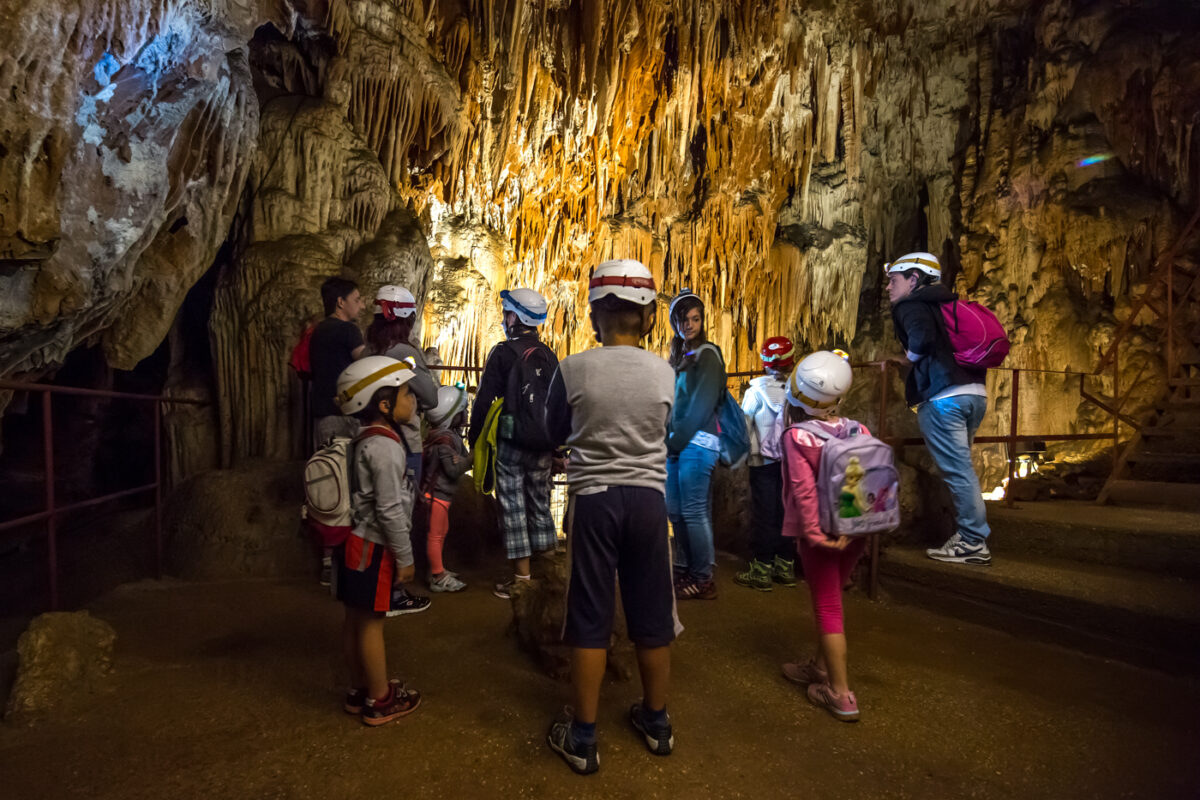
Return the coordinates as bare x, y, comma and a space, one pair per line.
769, 155
62, 658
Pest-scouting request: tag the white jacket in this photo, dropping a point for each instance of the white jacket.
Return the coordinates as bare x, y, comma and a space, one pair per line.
762, 403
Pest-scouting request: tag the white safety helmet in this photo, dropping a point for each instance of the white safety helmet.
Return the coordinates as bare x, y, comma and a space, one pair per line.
528, 305
624, 278
819, 381
395, 301
358, 382
451, 400
925, 262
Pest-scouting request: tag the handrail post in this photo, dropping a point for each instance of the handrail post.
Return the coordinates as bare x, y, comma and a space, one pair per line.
1116, 376
51, 525
158, 482
1170, 319
1013, 416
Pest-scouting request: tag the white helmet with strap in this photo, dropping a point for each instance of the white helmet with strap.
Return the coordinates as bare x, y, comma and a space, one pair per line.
624, 278
358, 382
395, 301
528, 305
684, 294
451, 400
925, 262
819, 381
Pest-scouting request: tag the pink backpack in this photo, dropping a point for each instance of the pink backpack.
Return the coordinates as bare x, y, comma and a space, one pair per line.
976, 336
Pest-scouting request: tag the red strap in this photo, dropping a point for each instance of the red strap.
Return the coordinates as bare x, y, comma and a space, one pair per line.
619, 280
377, 430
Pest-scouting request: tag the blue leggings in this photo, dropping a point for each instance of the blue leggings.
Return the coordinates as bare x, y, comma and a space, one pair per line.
689, 507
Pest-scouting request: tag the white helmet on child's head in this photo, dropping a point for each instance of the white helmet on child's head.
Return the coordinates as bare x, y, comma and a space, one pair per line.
451, 400
624, 278
684, 294
819, 381
395, 301
925, 262
358, 382
528, 305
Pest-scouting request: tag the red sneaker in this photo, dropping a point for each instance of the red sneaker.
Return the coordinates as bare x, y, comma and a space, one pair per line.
400, 702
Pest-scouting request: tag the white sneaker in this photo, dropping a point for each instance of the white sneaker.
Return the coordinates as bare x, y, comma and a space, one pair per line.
956, 551
446, 582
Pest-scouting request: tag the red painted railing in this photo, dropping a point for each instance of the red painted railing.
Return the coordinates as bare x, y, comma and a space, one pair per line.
52, 511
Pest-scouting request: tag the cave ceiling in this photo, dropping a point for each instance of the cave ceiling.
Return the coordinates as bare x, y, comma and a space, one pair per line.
769, 155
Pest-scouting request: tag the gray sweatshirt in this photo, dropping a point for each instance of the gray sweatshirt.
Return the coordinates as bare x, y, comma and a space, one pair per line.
383, 496
611, 406
450, 462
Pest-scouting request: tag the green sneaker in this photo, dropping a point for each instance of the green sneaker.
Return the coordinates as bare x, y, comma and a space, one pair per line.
758, 576
783, 571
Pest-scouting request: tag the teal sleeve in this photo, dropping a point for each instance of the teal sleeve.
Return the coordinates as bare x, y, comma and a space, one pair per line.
697, 404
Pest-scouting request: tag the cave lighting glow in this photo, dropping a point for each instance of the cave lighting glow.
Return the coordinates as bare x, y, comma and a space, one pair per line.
1092, 160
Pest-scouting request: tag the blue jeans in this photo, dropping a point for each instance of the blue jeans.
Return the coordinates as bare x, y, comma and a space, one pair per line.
949, 427
689, 507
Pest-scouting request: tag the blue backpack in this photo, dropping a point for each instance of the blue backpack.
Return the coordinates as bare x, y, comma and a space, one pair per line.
731, 425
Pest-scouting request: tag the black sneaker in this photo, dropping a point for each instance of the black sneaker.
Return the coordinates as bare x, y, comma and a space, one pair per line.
660, 741
584, 759
405, 603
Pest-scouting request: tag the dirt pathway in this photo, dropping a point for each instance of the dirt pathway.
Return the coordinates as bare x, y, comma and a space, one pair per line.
233, 690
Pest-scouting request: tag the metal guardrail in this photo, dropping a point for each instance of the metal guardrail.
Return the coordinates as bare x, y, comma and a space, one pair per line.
52, 511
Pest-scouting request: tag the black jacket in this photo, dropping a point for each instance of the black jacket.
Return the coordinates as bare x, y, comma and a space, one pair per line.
920, 329
493, 382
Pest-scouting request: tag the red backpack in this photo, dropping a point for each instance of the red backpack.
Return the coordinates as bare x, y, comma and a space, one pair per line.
300, 360
976, 336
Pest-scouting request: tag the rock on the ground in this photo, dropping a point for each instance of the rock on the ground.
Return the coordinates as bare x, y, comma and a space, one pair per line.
539, 606
239, 523
61, 657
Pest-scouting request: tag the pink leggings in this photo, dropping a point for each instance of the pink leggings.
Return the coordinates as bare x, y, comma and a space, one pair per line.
439, 526
826, 572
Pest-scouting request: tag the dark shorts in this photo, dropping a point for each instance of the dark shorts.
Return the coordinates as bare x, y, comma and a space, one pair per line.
620, 532
363, 573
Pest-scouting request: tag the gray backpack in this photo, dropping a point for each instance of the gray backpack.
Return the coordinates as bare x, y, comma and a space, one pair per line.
857, 482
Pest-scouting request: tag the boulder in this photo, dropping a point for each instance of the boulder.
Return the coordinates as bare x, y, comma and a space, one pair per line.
61, 658
539, 606
239, 523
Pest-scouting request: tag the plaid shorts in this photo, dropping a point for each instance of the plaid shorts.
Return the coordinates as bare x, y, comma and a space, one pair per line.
523, 489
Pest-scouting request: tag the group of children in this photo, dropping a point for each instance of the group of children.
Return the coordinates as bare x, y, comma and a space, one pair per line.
611, 408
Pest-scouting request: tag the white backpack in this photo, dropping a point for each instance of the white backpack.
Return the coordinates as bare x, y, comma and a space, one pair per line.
770, 441
858, 485
328, 487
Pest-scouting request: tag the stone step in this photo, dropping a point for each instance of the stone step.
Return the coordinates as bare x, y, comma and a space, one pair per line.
1158, 465
1151, 539
1180, 496
1124, 613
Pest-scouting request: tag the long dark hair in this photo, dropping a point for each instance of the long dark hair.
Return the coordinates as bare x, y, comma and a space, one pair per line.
384, 334
681, 310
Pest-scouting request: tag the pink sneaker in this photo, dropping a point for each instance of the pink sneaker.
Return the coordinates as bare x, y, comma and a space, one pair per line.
805, 672
843, 707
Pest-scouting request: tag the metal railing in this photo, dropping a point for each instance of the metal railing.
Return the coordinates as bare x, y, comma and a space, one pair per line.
53, 511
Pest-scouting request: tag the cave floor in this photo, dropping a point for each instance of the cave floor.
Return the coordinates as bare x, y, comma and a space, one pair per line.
233, 690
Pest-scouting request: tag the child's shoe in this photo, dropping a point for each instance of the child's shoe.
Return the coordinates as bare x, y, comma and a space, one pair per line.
805, 672
446, 582
843, 707
400, 702
405, 603
356, 699
697, 590
783, 571
326, 570
758, 576
659, 738
583, 758
957, 550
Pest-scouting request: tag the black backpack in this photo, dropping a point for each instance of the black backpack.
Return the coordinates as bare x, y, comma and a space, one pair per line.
525, 398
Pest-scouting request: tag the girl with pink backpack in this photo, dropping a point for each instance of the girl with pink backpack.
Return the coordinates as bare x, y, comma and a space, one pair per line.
826, 508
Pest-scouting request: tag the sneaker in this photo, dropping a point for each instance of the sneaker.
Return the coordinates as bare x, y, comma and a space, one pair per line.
783, 571
405, 603
843, 707
446, 582
758, 576
503, 589
957, 551
697, 590
805, 672
326, 570
356, 699
583, 758
400, 702
660, 741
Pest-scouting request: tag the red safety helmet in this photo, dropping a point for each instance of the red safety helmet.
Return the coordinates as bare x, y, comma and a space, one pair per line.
778, 353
